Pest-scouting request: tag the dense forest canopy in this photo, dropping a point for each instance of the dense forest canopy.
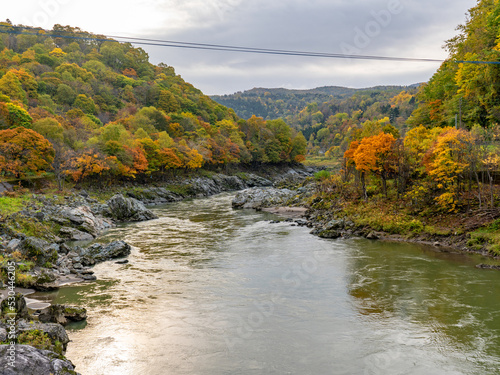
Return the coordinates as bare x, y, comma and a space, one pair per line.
447, 153
93, 107
467, 90
283, 103
327, 116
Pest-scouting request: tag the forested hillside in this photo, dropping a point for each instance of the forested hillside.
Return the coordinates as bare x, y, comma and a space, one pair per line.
276, 103
84, 106
447, 159
329, 126
327, 116
466, 90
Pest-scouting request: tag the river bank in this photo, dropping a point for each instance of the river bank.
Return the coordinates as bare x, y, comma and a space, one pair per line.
474, 232
48, 239
214, 290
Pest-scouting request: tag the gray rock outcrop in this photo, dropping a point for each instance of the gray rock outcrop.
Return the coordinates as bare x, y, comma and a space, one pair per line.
121, 208
260, 198
32, 361
62, 314
38, 249
54, 331
81, 218
101, 252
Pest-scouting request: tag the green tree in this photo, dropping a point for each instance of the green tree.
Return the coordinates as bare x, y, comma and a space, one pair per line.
11, 86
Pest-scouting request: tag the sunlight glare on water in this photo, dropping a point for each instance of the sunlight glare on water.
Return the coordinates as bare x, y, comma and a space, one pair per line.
212, 290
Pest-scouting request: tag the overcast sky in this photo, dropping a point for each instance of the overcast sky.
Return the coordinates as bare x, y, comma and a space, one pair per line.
401, 28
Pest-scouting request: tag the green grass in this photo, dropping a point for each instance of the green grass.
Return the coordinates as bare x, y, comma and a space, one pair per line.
381, 217
488, 237
321, 161
10, 205
183, 190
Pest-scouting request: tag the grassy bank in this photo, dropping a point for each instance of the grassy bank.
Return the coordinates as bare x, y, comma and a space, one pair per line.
475, 229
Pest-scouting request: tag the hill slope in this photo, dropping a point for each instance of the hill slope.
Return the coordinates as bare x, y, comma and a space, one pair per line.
281, 103
90, 107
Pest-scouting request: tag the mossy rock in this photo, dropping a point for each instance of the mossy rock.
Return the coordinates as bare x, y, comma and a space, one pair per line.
38, 250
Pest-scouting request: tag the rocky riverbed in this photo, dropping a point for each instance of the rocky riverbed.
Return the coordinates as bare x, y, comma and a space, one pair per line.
64, 255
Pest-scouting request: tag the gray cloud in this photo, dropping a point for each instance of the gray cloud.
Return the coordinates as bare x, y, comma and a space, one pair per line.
417, 29
369, 27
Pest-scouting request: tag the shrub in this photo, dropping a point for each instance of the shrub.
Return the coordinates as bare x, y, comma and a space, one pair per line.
36, 338
322, 175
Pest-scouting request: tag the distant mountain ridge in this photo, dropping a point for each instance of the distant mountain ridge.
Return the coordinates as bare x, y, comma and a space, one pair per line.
273, 103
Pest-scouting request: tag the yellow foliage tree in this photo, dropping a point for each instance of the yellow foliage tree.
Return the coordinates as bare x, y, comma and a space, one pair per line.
446, 164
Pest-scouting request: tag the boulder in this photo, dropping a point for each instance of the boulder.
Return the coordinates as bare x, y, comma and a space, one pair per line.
32, 361
20, 307
259, 198
101, 252
329, 233
335, 225
252, 180
372, 236
154, 195
488, 266
74, 234
54, 331
5, 187
38, 249
128, 209
13, 244
228, 183
204, 187
81, 218
62, 314
46, 281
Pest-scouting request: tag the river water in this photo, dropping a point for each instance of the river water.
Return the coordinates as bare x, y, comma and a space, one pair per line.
212, 290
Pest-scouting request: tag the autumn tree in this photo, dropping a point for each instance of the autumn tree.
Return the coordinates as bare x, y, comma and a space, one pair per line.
24, 152
13, 116
373, 154
167, 102
87, 164
11, 86
446, 164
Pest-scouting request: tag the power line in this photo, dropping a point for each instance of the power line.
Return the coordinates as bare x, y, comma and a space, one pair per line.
218, 47
231, 48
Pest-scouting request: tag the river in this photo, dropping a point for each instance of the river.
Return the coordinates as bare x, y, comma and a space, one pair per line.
212, 290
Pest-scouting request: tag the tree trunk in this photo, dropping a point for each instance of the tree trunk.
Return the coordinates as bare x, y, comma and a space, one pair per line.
384, 183
363, 185
478, 189
491, 188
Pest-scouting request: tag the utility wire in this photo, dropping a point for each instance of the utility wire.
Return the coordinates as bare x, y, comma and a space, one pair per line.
230, 48
216, 47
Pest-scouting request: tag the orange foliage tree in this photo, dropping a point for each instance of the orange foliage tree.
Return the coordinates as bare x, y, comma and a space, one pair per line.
88, 163
373, 154
24, 152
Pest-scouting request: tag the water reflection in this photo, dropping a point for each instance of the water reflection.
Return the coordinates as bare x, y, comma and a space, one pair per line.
456, 305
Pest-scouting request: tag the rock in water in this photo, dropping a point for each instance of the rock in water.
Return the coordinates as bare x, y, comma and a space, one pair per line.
62, 314
329, 233
260, 198
32, 361
99, 252
128, 209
